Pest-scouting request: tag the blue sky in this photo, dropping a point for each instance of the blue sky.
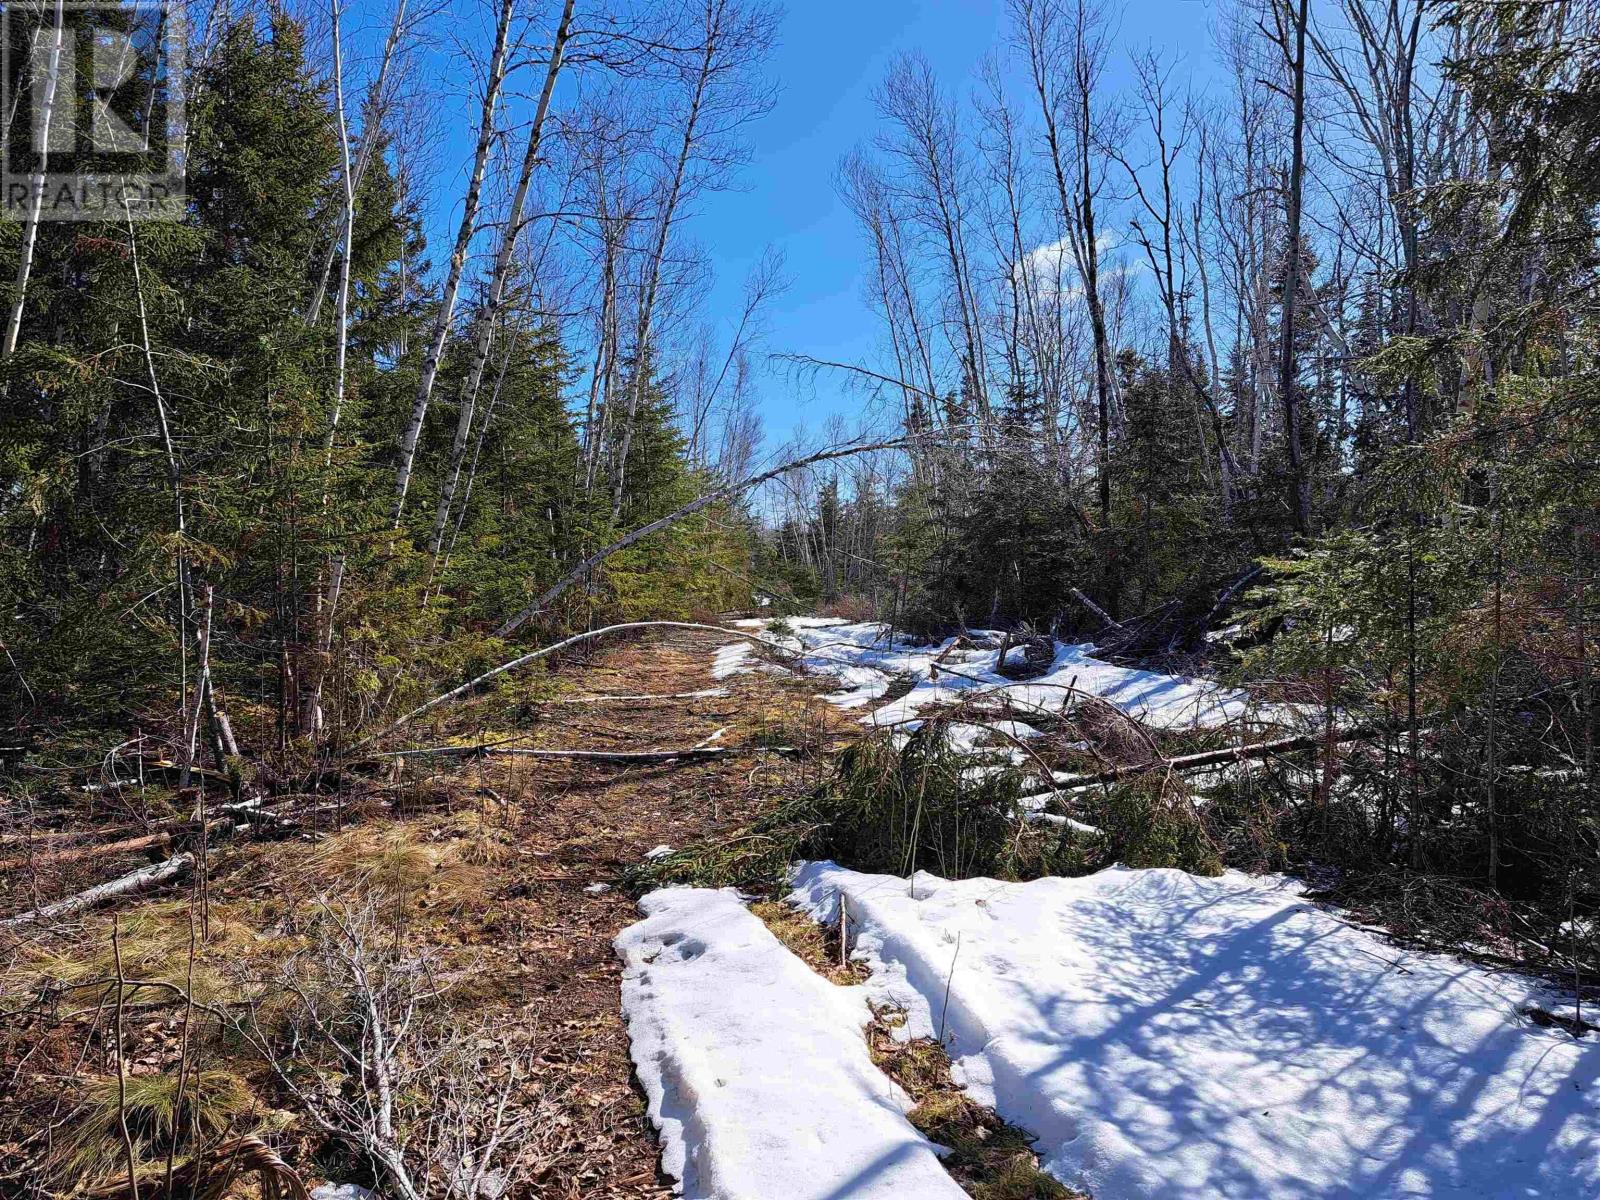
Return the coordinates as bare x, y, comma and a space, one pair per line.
831, 55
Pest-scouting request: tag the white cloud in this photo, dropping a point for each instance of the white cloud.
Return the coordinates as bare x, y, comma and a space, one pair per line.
1051, 269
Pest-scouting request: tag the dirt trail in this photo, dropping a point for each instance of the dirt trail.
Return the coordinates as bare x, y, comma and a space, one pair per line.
506, 874
583, 824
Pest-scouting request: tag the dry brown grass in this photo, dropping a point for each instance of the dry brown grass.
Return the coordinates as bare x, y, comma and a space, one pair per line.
162, 1118
814, 945
482, 866
990, 1159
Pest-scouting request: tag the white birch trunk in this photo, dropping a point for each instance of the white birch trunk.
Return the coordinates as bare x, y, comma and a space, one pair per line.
498, 280
641, 341
30, 225
458, 260
372, 126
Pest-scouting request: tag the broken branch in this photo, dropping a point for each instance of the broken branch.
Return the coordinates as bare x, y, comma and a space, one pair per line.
142, 880
1216, 758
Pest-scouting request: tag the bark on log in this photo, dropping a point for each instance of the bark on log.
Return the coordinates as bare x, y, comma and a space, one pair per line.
938, 659
1099, 613
1228, 596
1217, 758
131, 884
167, 765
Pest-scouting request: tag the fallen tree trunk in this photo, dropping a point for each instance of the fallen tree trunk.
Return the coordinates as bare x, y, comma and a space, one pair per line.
1217, 758
938, 659
76, 853
1228, 595
170, 767
1146, 634
131, 884
1096, 611
614, 756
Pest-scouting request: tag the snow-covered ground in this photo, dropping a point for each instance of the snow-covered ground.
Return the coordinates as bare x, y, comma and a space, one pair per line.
1164, 1035
1160, 1034
755, 1067
864, 662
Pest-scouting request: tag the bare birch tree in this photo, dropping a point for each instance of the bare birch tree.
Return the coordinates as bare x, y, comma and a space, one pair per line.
379, 100
720, 96
1290, 27
499, 276
1064, 45
44, 133
933, 183
494, 82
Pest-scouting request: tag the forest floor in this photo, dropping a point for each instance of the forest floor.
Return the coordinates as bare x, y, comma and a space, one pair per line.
582, 825
511, 877
511, 870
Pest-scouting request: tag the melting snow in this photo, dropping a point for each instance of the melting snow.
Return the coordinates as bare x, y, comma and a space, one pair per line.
862, 659
731, 660
1169, 1035
341, 1191
756, 1069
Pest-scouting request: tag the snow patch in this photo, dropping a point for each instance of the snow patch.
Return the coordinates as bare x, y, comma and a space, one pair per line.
756, 1069
731, 660
341, 1191
865, 661
1169, 1035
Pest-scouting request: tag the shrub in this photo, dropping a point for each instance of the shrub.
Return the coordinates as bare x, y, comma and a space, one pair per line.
921, 806
1153, 823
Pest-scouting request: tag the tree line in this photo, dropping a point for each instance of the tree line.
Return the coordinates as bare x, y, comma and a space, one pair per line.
1307, 352
276, 469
